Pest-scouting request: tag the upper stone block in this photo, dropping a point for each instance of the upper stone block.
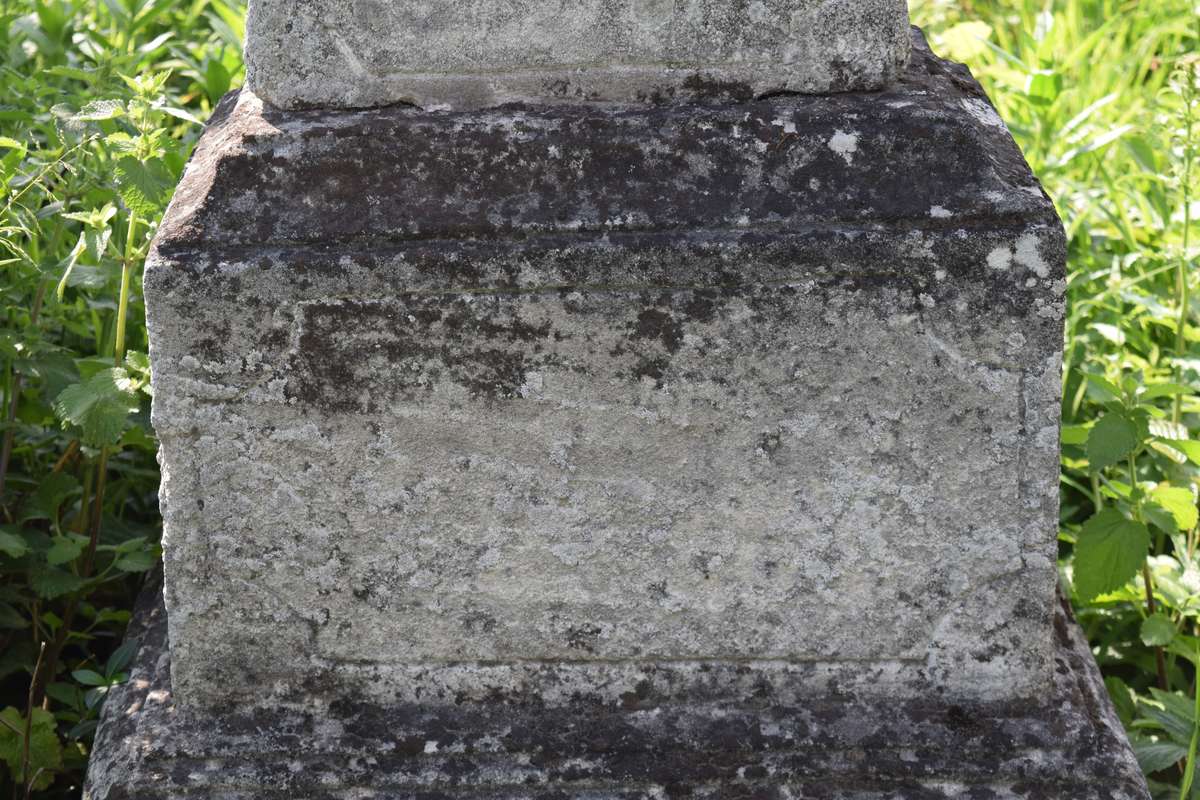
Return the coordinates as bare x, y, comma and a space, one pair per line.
469, 54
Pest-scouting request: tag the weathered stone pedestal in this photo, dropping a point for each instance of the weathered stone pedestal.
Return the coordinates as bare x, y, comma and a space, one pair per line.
699, 444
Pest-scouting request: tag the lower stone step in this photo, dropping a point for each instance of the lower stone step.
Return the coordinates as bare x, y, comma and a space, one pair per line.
1068, 746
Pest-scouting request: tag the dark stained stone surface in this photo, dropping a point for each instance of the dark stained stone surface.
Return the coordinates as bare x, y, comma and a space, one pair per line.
1069, 747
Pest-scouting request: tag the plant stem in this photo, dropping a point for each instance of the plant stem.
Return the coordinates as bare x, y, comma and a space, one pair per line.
1182, 284
1189, 771
43, 677
29, 706
1160, 663
14, 396
126, 275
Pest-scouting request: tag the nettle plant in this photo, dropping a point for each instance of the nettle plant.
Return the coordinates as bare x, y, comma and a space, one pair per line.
1136, 565
99, 105
60, 549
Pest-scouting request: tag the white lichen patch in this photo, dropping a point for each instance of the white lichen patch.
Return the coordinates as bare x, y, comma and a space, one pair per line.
845, 145
1000, 258
1028, 254
939, 212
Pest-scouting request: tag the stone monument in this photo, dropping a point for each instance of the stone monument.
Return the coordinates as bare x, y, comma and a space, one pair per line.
607, 399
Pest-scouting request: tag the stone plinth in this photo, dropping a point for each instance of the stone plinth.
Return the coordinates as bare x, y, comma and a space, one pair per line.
612, 451
567, 391
475, 53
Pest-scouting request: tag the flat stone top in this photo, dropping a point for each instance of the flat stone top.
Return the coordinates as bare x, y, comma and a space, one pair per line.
261, 176
465, 54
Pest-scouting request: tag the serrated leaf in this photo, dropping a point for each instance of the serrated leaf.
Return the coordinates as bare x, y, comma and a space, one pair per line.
52, 583
144, 186
66, 548
1111, 439
12, 544
1110, 551
121, 142
100, 406
51, 492
45, 750
137, 361
98, 110
1157, 630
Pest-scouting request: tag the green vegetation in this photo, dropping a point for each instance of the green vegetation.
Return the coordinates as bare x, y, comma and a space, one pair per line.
100, 104
98, 109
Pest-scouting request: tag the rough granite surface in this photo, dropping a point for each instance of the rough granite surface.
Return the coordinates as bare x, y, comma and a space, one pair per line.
757, 744
545, 400
466, 54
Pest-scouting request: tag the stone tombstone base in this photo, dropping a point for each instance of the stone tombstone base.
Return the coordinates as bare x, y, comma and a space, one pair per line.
766, 743
605, 451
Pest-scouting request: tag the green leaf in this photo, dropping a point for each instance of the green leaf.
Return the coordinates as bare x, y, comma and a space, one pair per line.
11, 619
52, 583
1110, 440
121, 658
137, 362
1074, 434
1153, 756
89, 677
73, 259
144, 186
51, 492
1110, 551
1173, 712
1189, 448
98, 110
1166, 390
1179, 504
11, 544
45, 750
1103, 388
965, 41
138, 561
100, 406
1122, 699
1157, 630
66, 548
